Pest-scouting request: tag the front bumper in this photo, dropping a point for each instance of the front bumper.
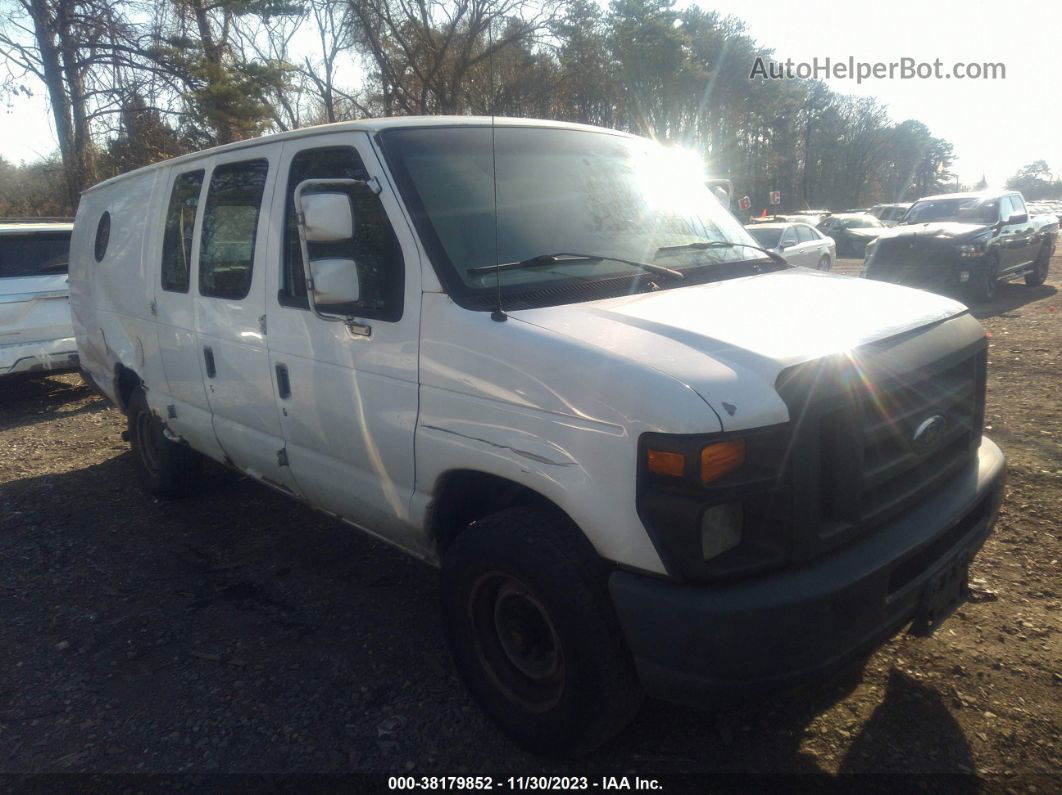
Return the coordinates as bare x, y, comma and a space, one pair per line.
706, 643
39, 356
944, 279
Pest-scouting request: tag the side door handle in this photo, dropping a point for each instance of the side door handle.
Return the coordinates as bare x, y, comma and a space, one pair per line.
208, 357
283, 382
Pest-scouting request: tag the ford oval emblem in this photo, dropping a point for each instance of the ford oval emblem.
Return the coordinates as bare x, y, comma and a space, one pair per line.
927, 434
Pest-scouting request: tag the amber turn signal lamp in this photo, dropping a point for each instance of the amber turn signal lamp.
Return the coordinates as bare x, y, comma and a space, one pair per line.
664, 463
721, 458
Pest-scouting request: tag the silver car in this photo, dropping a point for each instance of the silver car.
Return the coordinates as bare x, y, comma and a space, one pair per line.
800, 244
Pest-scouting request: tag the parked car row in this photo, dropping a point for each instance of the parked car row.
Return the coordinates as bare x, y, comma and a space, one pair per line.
1047, 207
851, 232
962, 244
890, 214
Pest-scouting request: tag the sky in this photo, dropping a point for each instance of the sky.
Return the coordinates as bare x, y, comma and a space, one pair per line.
996, 126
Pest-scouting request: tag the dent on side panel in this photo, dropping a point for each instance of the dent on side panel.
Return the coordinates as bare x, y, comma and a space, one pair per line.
549, 412
586, 468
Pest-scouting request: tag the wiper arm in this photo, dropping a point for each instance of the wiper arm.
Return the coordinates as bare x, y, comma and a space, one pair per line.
564, 258
706, 244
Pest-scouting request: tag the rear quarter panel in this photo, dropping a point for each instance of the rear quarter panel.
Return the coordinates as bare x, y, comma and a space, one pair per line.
111, 299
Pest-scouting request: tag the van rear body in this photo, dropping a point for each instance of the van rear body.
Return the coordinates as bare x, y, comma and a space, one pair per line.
543, 357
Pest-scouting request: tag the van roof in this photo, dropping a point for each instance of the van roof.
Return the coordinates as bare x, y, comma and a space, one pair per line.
365, 125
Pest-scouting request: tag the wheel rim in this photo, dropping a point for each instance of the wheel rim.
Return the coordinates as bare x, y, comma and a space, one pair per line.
990, 281
516, 641
147, 442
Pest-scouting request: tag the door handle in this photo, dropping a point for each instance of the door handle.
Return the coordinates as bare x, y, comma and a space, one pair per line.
208, 357
283, 382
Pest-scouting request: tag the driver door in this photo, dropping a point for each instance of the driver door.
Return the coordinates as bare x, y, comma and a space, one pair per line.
1024, 238
348, 402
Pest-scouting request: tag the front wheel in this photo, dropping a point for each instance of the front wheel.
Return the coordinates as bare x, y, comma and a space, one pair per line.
986, 285
533, 634
167, 469
824, 262
1040, 267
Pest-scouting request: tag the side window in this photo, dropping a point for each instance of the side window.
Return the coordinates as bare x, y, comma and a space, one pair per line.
103, 237
788, 237
1006, 209
177, 241
805, 234
230, 226
375, 248
1019, 205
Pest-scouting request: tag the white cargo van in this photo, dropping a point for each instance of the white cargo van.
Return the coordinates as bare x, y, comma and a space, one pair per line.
35, 331
647, 457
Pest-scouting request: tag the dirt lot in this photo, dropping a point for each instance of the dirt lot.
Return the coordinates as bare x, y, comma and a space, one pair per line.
239, 631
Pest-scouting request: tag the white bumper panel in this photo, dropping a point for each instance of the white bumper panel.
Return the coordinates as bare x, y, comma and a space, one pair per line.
27, 357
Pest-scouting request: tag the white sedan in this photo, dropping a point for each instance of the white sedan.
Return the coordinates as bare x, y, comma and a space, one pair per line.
800, 244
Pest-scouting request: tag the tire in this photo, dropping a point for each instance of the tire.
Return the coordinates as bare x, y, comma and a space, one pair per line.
532, 631
1040, 267
167, 469
987, 283
824, 262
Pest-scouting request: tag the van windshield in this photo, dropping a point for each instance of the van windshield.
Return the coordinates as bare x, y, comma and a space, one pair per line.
558, 191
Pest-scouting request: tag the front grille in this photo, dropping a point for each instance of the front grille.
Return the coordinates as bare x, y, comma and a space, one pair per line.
922, 262
908, 252
888, 473
854, 464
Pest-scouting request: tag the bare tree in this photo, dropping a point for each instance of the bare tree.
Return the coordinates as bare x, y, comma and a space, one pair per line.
57, 42
433, 56
334, 26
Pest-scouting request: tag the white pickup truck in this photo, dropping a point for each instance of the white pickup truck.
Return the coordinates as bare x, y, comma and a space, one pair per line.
35, 331
647, 456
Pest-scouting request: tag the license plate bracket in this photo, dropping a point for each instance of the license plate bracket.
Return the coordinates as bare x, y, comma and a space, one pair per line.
942, 594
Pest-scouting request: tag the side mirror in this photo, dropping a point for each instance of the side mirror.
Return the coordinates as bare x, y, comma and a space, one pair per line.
335, 285
786, 244
1018, 218
327, 217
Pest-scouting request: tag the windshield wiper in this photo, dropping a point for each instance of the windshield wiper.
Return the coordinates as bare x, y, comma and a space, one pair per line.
564, 258
706, 244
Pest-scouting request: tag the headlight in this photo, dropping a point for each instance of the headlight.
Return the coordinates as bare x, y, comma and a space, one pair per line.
971, 250
716, 460
714, 504
721, 529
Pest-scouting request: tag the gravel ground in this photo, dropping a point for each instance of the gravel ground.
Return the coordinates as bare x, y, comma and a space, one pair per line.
239, 631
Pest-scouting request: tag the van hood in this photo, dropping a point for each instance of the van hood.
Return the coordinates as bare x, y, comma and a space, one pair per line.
729, 340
